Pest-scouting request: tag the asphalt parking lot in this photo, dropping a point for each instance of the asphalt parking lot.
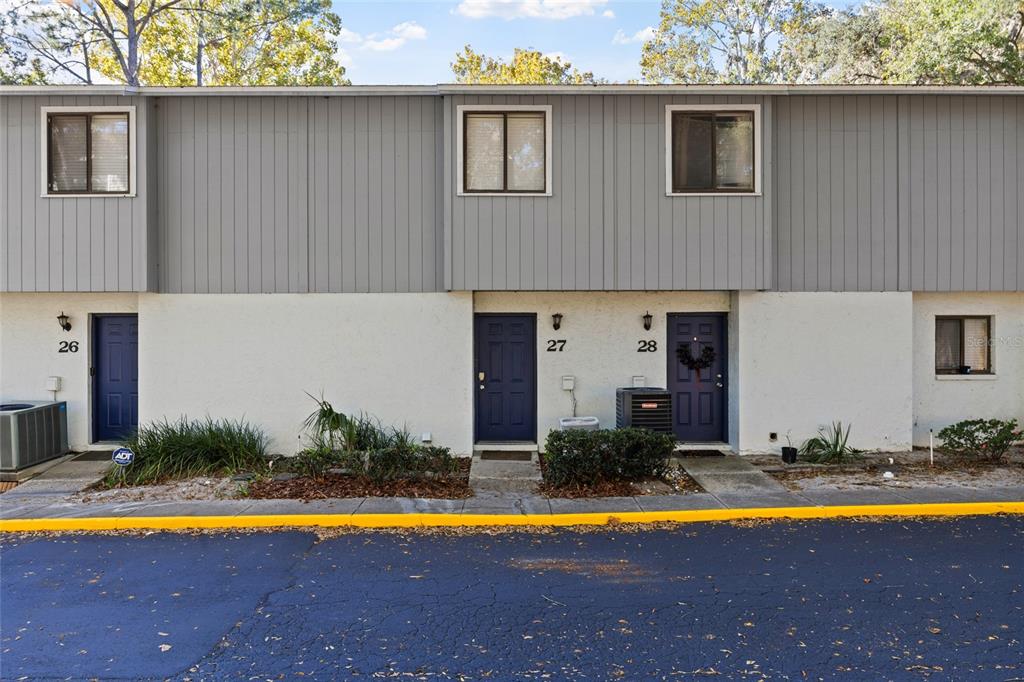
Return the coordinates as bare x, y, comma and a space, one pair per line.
901, 599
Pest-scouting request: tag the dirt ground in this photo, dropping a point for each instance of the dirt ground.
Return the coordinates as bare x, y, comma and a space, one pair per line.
909, 469
199, 488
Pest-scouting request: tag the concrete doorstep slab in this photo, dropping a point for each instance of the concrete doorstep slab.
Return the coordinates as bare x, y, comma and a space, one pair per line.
488, 473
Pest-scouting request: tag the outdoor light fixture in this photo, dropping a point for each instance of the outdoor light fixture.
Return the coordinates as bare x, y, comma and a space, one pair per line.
648, 319
556, 321
62, 320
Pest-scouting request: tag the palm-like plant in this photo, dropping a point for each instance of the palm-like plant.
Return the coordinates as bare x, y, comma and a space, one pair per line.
830, 446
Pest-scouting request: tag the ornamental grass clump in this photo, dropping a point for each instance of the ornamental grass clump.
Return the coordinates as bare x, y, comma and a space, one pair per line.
362, 446
830, 446
166, 450
982, 440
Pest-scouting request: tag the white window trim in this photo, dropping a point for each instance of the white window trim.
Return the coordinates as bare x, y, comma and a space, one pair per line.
459, 156
44, 112
758, 152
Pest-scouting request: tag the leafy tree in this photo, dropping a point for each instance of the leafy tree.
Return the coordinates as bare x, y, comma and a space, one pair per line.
232, 42
16, 68
724, 41
969, 42
938, 41
846, 46
176, 42
527, 66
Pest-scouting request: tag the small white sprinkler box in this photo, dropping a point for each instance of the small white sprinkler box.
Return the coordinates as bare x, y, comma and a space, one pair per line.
52, 383
568, 382
426, 437
639, 381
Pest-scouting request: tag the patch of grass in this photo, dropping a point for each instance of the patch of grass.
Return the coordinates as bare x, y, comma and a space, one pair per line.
166, 450
830, 446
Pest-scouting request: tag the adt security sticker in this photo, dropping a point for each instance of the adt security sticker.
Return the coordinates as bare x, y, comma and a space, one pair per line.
123, 457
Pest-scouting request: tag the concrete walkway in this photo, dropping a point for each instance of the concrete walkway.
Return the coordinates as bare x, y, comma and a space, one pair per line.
735, 481
46, 507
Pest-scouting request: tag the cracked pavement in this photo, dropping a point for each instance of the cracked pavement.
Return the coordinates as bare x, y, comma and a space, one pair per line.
902, 599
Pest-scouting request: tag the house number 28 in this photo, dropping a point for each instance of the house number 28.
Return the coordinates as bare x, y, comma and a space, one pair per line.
647, 346
67, 347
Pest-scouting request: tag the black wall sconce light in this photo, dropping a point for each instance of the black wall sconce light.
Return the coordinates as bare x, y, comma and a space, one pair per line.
62, 320
648, 320
556, 321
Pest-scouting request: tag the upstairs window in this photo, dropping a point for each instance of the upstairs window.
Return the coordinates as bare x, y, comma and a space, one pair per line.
712, 151
88, 152
504, 151
962, 345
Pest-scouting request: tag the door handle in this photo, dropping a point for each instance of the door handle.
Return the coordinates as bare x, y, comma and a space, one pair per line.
480, 376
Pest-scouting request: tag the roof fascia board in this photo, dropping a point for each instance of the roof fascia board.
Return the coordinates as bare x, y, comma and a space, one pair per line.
460, 89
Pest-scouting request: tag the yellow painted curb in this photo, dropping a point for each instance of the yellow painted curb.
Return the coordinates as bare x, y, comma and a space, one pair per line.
427, 520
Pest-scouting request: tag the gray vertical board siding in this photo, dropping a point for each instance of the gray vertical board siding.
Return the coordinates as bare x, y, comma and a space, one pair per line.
297, 194
963, 183
608, 224
70, 244
836, 214
886, 193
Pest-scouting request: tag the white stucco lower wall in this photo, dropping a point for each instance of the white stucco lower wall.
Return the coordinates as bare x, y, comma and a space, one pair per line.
29, 350
943, 400
808, 359
602, 331
404, 358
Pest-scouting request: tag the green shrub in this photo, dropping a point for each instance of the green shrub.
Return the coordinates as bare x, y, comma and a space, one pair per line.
364, 446
408, 461
986, 440
830, 446
577, 458
361, 433
167, 450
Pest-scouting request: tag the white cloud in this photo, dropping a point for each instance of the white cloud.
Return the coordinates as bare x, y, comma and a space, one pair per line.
641, 36
557, 56
528, 9
608, 14
409, 30
385, 41
347, 36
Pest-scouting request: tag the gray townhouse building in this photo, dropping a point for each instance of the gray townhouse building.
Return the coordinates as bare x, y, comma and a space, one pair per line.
477, 262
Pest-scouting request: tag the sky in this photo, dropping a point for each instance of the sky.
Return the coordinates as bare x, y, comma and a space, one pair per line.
411, 42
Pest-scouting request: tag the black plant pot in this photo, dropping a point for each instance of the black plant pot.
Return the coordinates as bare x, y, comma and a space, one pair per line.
788, 454
964, 369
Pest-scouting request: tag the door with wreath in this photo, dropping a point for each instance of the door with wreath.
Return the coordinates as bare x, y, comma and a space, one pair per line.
697, 356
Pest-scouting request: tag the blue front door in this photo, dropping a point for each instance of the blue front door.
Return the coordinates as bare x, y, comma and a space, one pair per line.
506, 377
115, 405
698, 392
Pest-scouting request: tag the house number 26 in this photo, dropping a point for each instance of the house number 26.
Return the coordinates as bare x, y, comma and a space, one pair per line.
67, 347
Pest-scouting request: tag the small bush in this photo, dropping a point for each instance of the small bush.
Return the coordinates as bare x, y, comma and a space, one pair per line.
167, 450
361, 433
985, 440
830, 446
408, 461
579, 458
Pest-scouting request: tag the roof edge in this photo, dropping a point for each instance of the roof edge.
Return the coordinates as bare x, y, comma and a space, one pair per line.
464, 89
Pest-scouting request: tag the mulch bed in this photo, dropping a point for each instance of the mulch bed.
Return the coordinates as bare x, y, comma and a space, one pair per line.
455, 487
